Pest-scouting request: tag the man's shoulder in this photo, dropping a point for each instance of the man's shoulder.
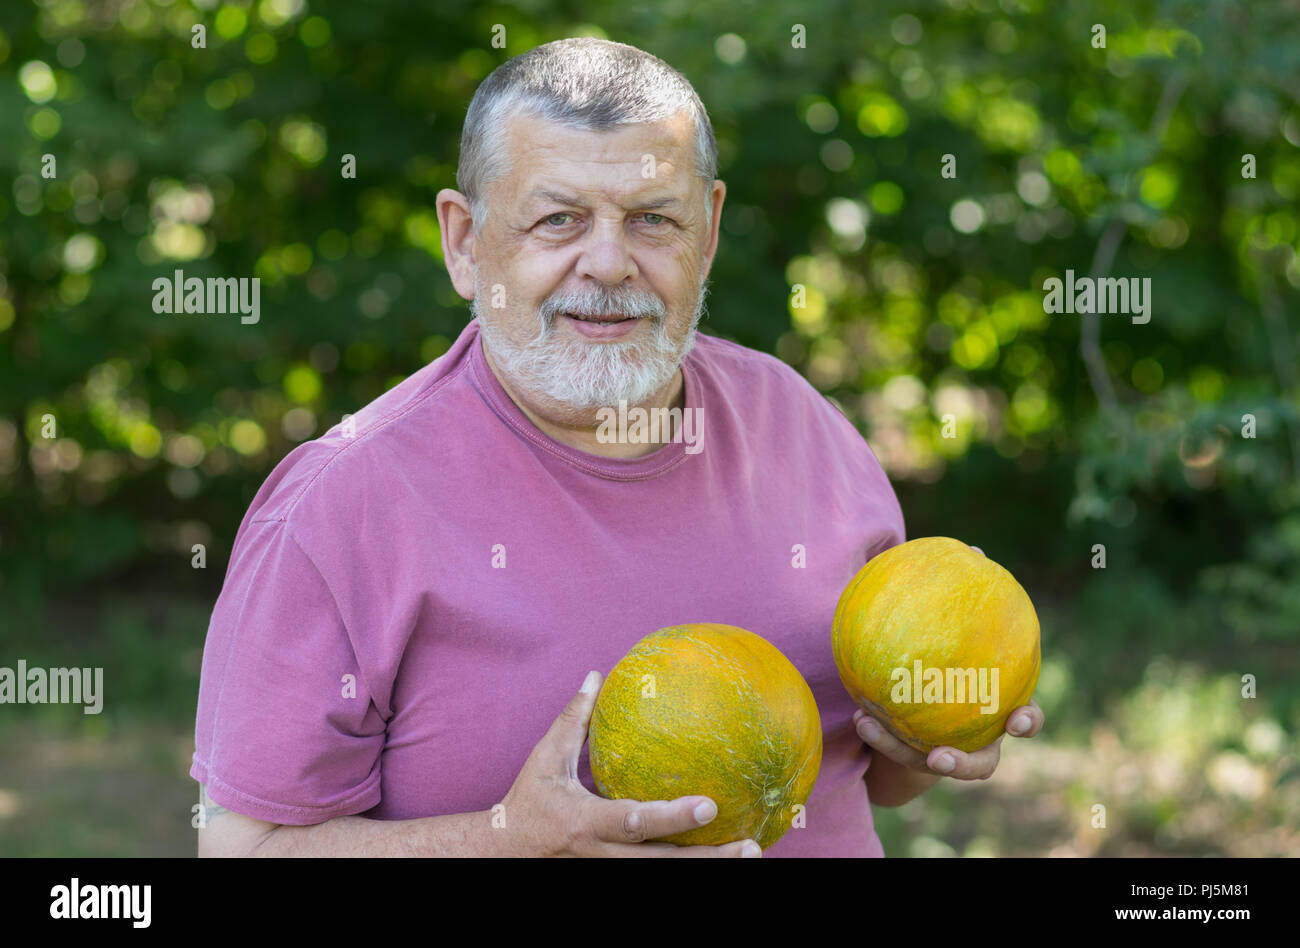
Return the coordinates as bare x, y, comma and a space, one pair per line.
760, 374
363, 450
740, 363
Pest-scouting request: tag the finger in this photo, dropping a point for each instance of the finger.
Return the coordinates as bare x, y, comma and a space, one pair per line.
976, 765
633, 821
741, 849
873, 734
1026, 721
562, 744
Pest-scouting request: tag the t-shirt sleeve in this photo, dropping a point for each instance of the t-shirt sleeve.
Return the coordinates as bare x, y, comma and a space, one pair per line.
286, 730
872, 483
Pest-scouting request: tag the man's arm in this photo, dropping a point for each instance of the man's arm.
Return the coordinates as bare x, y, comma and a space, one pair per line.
548, 812
892, 784
228, 833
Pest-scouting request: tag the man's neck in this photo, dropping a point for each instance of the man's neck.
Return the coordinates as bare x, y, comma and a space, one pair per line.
584, 434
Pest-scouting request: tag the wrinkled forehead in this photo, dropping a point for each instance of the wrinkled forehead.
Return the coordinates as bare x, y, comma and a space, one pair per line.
626, 161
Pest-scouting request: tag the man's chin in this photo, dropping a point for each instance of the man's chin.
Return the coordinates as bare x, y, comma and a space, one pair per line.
586, 399
633, 382
579, 376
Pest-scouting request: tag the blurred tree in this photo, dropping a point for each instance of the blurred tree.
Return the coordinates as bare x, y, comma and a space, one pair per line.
1169, 153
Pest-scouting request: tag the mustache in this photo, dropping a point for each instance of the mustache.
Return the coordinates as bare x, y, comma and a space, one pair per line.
637, 303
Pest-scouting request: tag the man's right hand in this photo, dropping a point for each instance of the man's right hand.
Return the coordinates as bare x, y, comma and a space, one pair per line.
548, 812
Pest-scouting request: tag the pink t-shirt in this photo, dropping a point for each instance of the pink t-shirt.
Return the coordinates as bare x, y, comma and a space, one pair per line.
410, 602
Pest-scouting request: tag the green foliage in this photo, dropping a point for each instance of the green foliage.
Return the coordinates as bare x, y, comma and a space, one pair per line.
923, 292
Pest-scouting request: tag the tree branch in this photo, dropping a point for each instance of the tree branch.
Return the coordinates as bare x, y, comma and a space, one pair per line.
1108, 246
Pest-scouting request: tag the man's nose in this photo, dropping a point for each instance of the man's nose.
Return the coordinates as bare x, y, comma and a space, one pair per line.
606, 256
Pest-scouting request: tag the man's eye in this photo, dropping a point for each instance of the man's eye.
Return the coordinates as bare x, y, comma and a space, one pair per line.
654, 219
551, 218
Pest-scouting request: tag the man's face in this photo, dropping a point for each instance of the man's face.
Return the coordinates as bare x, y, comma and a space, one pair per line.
590, 274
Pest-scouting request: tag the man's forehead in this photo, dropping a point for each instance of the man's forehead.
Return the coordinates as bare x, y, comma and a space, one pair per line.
540, 143
555, 164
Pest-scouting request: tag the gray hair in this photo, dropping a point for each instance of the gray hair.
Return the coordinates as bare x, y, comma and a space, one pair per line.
581, 83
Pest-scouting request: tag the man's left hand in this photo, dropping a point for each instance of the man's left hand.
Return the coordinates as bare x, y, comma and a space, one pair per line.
945, 761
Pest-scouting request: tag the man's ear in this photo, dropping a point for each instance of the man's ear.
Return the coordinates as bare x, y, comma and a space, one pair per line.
717, 194
457, 228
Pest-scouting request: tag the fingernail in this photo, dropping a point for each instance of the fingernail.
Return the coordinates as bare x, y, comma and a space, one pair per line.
944, 764
589, 683
1020, 725
978, 550
705, 812
751, 850
870, 728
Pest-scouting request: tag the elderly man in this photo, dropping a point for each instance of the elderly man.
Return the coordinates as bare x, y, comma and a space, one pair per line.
414, 596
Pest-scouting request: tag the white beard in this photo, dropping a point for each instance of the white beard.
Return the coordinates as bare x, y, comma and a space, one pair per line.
584, 376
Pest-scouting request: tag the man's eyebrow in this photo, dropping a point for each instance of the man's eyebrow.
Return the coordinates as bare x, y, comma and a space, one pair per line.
555, 196
660, 202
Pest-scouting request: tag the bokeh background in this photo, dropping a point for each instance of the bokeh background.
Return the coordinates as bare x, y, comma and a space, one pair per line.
924, 299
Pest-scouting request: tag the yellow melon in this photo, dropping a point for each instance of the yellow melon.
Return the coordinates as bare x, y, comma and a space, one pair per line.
715, 710
937, 642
